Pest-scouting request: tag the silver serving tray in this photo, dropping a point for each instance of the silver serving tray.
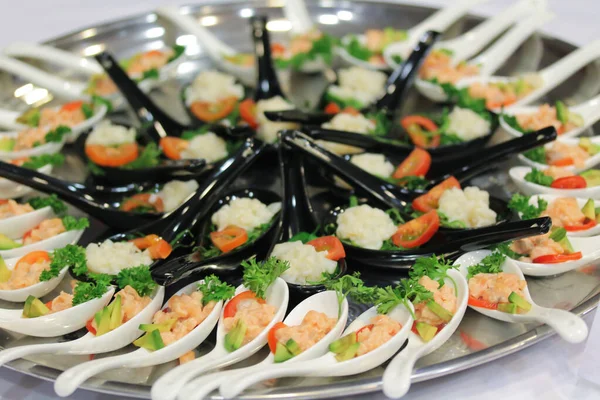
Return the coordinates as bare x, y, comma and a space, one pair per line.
578, 291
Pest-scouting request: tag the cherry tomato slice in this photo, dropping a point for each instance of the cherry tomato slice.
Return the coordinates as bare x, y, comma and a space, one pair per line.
33, 257
421, 138
213, 111
364, 328
475, 302
49, 305
231, 307
418, 231
271, 338
557, 258
277, 49
563, 162
332, 108
144, 242
587, 223
420, 121
108, 156
417, 163
331, 244
248, 113
72, 106
90, 327
229, 238
150, 200
430, 200
173, 146
569, 182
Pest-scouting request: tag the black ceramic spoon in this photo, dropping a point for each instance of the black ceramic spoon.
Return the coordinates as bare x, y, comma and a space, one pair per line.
396, 88
267, 85
156, 123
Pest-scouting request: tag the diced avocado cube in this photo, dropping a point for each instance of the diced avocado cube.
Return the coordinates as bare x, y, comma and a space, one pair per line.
5, 273
343, 343
7, 243
562, 112
104, 325
235, 337
162, 327
34, 308
115, 315
30, 117
589, 209
576, 119
293, 347
519, 301
440, 311
591, 176
520, 86
7, 144
587, 145
282, 353
150, 341
426, 331
566, 244
508, 308
349, 353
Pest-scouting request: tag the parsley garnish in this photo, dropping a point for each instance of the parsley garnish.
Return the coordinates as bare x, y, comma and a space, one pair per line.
88, 110
57, 134
53, 201
434, 267
95, 169
537, 154
538, 177
69, 256
491, 264
86, 291
148, 158
357, 50
30, 117
520, 204
258, 276
178, 50
71, 223
214, 290
138, 278
504, 248
99, 100
37, 162
349, 286
511, 120
408, 290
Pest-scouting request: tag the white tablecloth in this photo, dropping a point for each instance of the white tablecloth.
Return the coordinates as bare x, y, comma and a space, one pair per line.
545, 371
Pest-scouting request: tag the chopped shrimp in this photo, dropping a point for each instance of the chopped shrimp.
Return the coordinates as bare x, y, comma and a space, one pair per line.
102, 85
560, 151
45, 230
384, 328
256, 317
313, 328
304, 43
438, 65
545, 116
11, 208
444, 296
29, 138
143, 62
62, 302
24, 275
557, 172
187, 357
564, 211
536, 246
496, 288
375, 40
51, 118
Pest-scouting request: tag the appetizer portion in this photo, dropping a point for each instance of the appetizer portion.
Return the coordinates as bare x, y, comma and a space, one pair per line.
457, 208
561, 154
214, 96
182, 314
248, 313
10, 208
369, 47
199, 144
503, 94
491, 288
457, 126
45, 230
39, 162
286, 342
164, 199
238, 223
351, 120
551, 248
561, 178
559, 116
27, 271
439, 68
33, 137
69, 115
357, 88
312, 46
253, 113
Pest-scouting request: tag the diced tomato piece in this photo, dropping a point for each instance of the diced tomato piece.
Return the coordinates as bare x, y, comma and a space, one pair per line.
420, 121
173, 146
563, 162
418, 231
72, 106
213, 111
151, 53
430, 200
587, 223
332, 108
231, 307
277, 49
417, 163
569, 182
143, 200
248, 113
109, 156
557, 258
3, 201
331, 244
271, 338
229, 238
475, 302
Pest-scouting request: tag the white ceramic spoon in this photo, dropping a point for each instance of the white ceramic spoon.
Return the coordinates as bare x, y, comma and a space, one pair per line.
168, 385
325, 302
55, 242
46, 148
15, 227
63, 58
580, 202
438, 21
8, 120
90, 343
71, 379
588, 246
550, 77
517, 174
589, 111
215, 48
396, 378
38, 290
569, 326
13, 190
591, 162
492, 58
55, 324
327, 365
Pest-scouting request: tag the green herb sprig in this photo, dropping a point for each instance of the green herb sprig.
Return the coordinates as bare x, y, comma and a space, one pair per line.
214, 290
258, 276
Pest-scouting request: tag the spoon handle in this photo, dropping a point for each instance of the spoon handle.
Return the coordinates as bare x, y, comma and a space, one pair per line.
590, 110
8, 120
368, 142
396, 378
268, 83
200, 387
569, 326
497, 153
71, 347
53, 55
494, 57
295, 11
443, 18
61, 87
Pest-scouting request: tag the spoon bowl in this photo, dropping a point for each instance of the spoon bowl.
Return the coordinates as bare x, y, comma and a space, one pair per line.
55, 242
591, 162
517, 174
46, 148
594, 231
38, 290
16, 226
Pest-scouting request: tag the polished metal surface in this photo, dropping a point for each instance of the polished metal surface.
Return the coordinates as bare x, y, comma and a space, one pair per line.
478, 340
